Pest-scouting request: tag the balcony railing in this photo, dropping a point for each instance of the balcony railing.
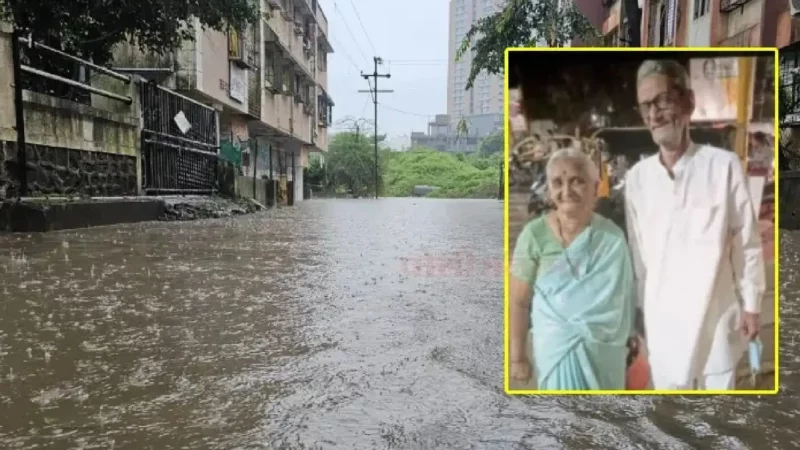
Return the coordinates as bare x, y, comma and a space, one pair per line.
726, 6
745, 38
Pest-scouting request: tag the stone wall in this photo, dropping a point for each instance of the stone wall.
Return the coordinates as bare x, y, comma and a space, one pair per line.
72, 148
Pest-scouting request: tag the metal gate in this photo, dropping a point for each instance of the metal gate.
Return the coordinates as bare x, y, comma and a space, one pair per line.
180, 143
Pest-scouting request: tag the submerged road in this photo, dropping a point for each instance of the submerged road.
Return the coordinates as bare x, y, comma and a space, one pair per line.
347, 324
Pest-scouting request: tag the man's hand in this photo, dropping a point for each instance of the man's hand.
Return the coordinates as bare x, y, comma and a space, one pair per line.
751, 323
521, 371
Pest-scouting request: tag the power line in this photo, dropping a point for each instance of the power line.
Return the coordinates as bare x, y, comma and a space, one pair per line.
383, 105
366, 102
417, 64
415, 61
363, 28
344, 52
349, 31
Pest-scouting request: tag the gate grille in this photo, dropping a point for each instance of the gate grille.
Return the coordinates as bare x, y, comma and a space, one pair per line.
174, 161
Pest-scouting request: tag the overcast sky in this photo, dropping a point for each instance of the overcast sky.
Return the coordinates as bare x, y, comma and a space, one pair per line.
411, 36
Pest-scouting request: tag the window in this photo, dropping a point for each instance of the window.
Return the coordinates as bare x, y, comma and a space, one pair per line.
269, 66
297, 86
701, 8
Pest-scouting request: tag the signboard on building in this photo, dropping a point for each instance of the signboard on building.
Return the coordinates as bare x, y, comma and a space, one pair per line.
238, 84
715, 82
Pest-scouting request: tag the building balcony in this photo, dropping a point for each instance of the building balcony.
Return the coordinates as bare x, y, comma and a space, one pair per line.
295, 35
324, 108
285, 82
726, 6
746, 37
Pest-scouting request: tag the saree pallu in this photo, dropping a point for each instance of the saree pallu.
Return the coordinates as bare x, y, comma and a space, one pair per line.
582, 313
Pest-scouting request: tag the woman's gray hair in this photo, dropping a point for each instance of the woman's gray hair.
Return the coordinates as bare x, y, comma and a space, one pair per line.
673, 70
577, 157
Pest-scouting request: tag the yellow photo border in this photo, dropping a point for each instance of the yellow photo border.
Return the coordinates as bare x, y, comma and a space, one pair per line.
506, 268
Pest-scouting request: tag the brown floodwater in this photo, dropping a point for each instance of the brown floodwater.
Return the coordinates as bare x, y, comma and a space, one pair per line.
352, 324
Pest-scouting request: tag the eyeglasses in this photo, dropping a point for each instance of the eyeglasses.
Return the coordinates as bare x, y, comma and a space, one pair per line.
662, 101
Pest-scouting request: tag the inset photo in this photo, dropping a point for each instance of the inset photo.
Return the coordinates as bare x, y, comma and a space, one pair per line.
640, 221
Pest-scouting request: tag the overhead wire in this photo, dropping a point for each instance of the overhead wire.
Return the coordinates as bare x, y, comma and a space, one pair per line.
344, 52
390, 108
349, 31
363, 28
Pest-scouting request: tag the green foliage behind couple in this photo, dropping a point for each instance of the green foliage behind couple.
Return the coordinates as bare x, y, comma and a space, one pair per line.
348, 167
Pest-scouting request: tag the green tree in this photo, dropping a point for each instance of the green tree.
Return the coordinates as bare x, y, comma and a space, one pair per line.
315, 174
350, 164
454, 174
492, 144
462, 128
523, 23
91, 29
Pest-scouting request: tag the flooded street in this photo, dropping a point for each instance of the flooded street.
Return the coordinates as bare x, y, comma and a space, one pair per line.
352, 324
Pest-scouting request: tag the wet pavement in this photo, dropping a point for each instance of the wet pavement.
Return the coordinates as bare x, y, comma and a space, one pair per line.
352, 324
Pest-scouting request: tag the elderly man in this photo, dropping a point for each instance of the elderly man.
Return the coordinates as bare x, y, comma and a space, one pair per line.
695, 243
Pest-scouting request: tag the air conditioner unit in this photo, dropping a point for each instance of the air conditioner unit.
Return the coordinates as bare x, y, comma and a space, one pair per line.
273, 4
794, 7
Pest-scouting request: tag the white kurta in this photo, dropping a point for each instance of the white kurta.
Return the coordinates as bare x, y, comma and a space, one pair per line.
697, 253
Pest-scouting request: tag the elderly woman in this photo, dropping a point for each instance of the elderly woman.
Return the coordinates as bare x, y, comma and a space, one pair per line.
572, 277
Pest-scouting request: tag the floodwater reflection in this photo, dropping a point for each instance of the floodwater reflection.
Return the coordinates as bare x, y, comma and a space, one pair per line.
353, 324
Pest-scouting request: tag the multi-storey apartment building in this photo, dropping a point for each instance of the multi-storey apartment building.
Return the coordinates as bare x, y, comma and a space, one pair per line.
486, 95
296, 107
711, 23
269, 83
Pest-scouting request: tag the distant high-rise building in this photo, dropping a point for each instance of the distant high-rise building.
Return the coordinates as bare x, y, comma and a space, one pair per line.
486, 95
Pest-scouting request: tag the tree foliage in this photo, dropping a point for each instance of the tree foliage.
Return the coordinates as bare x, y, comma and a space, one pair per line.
91, 28
315, 174
348, 168
523, 23
492, 144
456, 175
350, 164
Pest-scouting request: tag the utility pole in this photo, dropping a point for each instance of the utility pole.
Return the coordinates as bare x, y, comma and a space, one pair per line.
374, 91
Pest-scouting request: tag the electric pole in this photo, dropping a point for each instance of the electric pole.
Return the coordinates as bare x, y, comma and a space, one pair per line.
374, 91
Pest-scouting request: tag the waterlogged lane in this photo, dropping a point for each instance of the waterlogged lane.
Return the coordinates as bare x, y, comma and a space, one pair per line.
338, 324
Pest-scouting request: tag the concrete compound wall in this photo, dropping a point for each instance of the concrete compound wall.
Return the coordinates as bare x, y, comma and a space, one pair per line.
262, 193
72, 149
